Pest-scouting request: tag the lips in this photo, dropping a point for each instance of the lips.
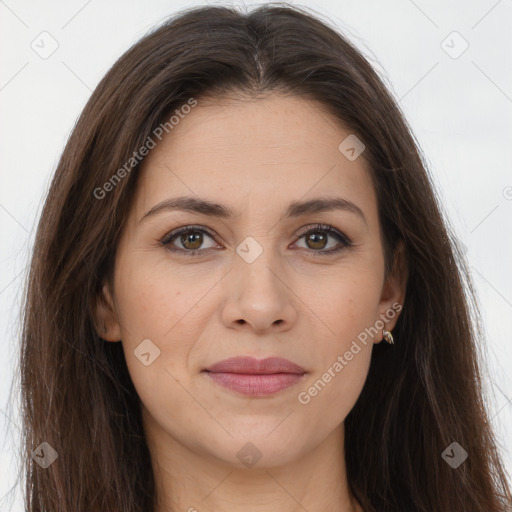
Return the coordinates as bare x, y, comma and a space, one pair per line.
253, 377
253, 366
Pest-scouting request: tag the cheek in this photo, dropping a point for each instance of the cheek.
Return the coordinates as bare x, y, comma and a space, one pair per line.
155, 301
329, 396
346, 303
168, 308
348, 307
155, 305
342, 357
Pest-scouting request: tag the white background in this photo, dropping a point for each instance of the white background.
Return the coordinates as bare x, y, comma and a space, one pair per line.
460, 110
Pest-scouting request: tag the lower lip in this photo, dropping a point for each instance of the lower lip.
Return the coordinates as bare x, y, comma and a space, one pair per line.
255, 385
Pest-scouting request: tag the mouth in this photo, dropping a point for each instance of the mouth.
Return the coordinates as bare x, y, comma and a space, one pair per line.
252, 377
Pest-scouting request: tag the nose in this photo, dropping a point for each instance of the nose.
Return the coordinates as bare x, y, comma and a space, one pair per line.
257, 297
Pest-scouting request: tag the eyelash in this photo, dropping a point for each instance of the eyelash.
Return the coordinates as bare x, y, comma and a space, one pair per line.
326, 229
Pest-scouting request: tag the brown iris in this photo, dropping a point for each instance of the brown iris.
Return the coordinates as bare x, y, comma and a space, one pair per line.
316, 238
194, 238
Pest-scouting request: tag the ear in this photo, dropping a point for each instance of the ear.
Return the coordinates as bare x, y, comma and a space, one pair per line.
393, 291
106, 319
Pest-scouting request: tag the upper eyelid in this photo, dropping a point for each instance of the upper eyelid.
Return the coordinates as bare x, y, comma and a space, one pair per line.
175, 232
298, 234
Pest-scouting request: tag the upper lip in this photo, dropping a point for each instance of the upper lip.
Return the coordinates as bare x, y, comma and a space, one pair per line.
251, 365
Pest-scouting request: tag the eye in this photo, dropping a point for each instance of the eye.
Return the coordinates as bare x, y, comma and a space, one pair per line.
191, 238
316, 239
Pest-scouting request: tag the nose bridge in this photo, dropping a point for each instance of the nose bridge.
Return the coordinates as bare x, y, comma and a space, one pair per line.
256, 267
257, 295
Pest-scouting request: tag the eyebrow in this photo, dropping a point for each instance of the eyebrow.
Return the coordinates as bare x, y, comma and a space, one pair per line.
295, 208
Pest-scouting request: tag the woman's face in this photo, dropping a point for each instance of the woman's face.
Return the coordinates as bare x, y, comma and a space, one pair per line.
263, 280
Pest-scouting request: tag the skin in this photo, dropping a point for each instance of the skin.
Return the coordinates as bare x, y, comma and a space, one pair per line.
254, 156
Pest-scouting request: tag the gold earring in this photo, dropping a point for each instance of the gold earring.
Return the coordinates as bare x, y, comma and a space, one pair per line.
388, 337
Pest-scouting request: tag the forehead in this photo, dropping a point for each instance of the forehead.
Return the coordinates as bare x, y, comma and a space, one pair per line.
271, 150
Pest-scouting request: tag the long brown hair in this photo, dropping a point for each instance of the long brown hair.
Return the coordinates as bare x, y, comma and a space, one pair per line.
421, 395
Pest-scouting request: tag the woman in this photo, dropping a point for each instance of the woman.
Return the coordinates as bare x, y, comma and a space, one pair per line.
239, 219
